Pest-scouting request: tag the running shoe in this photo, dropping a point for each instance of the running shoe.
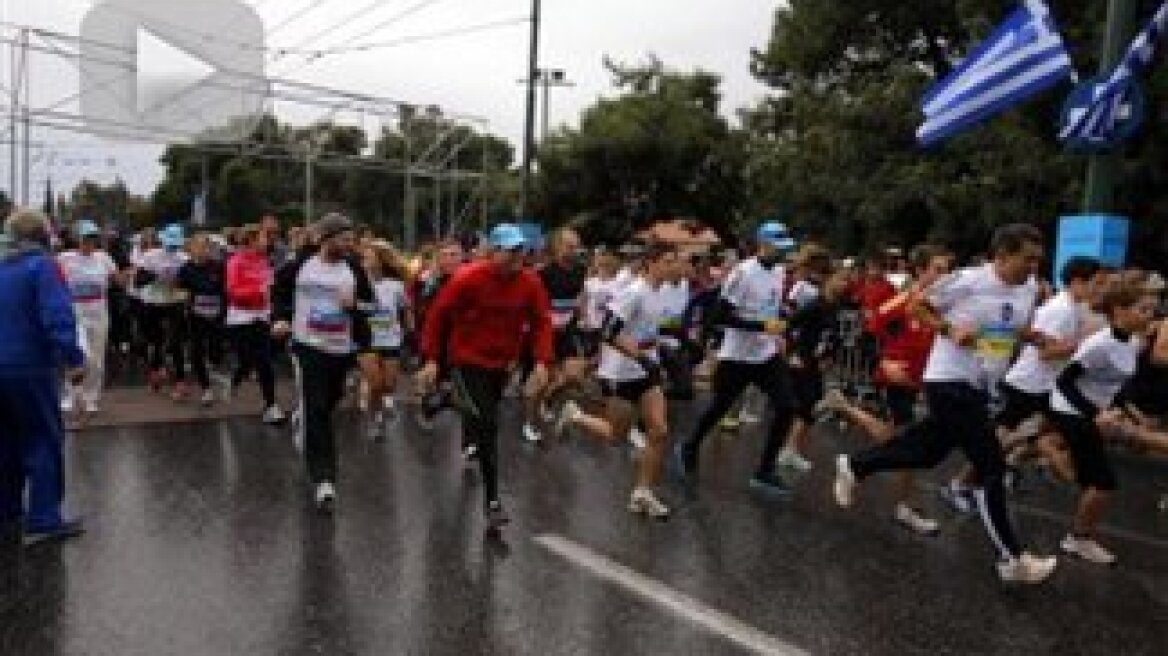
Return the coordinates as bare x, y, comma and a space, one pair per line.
66, 530
637, 438
845, 482
960, 499
208, 397
644, 502
273, 416
769, 482
470, 455
180, 392
1027, 568
325, 497
730, 423
1088, 549
531, 433
496, 517
569, 414
68, 403
789, 459
747, 417
91, 407
912, 519
832, 403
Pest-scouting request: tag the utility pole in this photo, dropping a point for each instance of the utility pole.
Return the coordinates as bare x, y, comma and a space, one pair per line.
410, 224
1103, 168
529, 125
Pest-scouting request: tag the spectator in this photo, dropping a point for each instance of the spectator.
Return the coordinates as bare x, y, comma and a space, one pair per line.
38, 338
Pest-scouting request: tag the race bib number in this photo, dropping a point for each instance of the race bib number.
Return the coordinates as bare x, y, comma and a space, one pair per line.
87, 291
206, 306
385, 331
997, 342
327, 319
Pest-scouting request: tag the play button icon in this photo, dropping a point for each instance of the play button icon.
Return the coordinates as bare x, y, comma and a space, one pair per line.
163, 72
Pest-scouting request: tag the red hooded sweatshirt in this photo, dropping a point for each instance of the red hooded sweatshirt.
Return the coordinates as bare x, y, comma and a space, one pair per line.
485, 318
249, 280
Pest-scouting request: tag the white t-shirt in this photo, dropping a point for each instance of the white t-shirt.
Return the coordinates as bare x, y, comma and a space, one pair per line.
674, 299
164, 264
757, 294
598, 293
977, 298
385, 324
1109, 364
1060, 318
639, 306
89, 278
319, 320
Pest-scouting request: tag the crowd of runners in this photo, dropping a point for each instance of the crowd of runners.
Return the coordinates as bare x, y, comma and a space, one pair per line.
916, 352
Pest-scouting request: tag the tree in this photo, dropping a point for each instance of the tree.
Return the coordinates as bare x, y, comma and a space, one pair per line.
660, 149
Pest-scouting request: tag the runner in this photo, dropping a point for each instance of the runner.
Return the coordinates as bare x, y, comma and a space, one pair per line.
563, 277
1087, 405
904, 342
631, 377
388, 324
163, 301
89, 271
476, 325
249, 310
203, 279
323, 301
450, 257
750, 309
980, 314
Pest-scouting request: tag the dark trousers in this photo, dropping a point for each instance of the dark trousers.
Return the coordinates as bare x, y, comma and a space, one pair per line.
477, 393
31, 435
321, 379
730, 380
253, 350
165, 327
205, 338
678, 365
959, 418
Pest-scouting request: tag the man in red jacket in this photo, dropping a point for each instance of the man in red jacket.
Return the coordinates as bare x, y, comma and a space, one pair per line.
479, 322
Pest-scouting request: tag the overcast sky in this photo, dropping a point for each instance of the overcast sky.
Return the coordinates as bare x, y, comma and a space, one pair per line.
475, 73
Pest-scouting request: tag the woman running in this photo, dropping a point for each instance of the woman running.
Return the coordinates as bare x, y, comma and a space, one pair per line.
249, 309
388, 323
203, 277
164, 310
89, 271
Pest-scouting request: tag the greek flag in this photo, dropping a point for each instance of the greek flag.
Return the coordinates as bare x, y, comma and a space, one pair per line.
1099, 121
1023, 57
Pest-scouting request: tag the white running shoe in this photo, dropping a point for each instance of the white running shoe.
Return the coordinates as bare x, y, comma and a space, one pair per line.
791, 460
208, 397
1088, 549
470, 455
91, 407
569, 414
1027, 569
273, 416
637, 438
644, 502
833, 402
325, 496
531, 433
845, 482
912, 519
68, 404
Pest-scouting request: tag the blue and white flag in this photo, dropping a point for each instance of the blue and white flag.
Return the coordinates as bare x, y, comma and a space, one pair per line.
1104, 119
1023, 57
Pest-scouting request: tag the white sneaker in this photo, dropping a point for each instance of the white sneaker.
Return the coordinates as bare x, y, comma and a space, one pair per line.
792, 460
747, 417
208, 398
531, 433
833, 402
912, 519
68, 404
845, 482
91, 407
637, 438
273, 415
569, 414
325, 497
645, 502
1027, 569
470, 456
1088, 549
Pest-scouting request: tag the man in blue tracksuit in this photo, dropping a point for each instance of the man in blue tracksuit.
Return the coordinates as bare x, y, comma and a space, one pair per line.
38, 340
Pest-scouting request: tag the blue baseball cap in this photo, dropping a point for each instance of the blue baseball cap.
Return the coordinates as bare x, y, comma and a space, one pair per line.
87, 228
507, 236
172, 236
776, 234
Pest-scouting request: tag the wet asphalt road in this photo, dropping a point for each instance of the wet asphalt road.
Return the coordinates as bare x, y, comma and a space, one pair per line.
201, 541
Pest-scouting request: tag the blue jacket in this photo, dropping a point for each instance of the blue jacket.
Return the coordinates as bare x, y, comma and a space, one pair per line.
38, 333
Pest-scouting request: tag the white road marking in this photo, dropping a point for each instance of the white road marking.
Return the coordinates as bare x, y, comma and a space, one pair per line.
653, 591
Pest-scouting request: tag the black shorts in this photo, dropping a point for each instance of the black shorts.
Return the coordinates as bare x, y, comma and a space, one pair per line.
627, 390
1088, 452
388, 353
571, 344
807, 386
901, 403
1019, 406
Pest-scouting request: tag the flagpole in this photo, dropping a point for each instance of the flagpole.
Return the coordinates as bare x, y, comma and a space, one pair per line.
1103, 168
